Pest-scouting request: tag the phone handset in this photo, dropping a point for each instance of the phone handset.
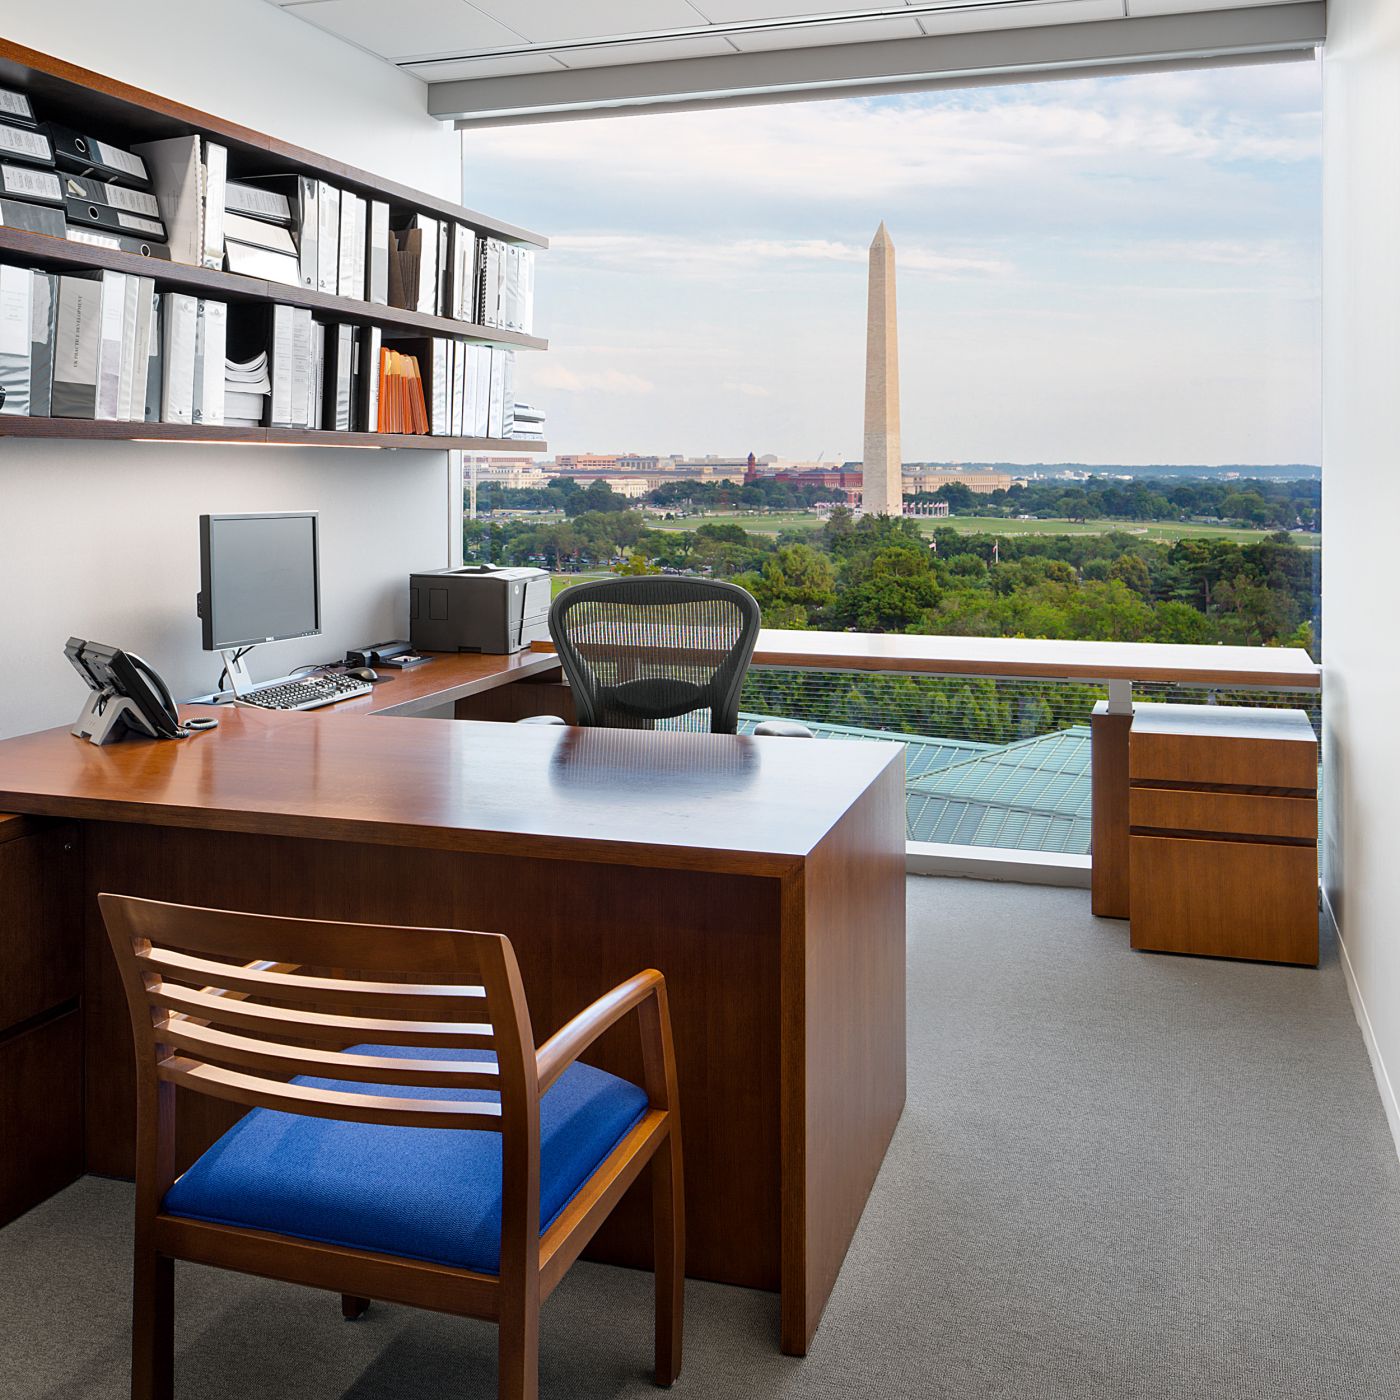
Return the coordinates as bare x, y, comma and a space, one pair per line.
167, 723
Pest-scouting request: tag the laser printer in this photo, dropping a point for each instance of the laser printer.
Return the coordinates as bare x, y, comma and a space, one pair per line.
481, 607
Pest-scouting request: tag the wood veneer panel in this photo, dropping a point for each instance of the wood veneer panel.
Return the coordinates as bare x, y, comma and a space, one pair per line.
1231, 813
1108, 767
1223, 746
577, 929
731, 804
1225, 899
40, 922
844, 1069
41, 1088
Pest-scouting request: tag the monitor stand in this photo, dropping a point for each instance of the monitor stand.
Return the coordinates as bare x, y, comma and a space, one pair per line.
240, 679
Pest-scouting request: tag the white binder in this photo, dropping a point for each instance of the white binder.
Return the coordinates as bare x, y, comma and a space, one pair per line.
211, 354
16, 338
328, 238
109, 362
180, 314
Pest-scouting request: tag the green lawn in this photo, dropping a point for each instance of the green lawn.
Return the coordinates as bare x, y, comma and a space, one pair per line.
560, 582
977, 525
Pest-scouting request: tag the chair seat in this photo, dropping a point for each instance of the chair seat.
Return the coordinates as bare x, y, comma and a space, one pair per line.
420, 1193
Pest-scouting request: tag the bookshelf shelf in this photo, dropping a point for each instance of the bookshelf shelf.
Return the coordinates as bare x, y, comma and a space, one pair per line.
59, 253
100, 429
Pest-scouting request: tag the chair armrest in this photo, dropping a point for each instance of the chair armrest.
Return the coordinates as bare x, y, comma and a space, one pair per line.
572, 1039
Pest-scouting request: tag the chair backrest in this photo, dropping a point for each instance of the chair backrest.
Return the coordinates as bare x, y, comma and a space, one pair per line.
220, 1006
639, 650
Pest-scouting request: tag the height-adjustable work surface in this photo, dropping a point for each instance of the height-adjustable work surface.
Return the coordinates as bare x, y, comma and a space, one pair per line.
765, 878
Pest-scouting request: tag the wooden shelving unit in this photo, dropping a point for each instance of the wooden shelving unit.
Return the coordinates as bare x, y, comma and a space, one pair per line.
90, 101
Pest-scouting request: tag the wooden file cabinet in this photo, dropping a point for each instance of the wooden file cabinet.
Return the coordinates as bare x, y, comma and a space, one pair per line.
1222, 811
41, 1031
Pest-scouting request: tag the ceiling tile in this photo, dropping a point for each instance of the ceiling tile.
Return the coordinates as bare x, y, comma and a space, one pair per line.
734, 11
508, 66
857, 32
1143, 9
551, 21
406, 28
1022, 16
701, 46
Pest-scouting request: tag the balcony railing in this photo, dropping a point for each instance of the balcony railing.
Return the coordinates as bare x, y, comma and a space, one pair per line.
1000, 764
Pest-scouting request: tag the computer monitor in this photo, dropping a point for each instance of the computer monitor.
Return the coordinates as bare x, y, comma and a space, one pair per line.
260, 578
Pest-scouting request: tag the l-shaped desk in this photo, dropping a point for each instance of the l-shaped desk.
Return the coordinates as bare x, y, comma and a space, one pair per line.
763, 877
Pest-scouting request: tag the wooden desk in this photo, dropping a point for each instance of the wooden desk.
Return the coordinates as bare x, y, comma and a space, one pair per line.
765, 878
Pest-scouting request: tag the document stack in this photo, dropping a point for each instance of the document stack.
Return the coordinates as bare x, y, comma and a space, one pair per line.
402, 406
68, 184
30, 195
528, 423
188, 175
247, 388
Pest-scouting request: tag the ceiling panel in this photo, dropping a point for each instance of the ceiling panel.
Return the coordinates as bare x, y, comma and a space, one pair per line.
733, 11
1023, 16
857, 32
405, 28
553, 21
701, 46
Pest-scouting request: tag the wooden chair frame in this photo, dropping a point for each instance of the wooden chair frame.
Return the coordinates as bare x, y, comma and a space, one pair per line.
215, 999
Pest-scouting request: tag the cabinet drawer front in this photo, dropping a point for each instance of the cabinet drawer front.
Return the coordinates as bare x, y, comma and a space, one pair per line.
41, 1081
1189, 759
1231, 813
1224, 899
40, 924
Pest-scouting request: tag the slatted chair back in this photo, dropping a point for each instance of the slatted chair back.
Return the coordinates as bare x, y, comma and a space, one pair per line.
219, 1006
638, 651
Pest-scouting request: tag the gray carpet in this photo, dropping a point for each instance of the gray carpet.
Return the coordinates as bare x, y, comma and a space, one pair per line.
1118, 1175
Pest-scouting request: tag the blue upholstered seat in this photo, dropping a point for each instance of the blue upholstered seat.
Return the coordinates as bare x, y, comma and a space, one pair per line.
421, 1193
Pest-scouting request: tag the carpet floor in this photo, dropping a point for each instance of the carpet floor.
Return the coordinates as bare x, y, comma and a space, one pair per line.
1118, 1175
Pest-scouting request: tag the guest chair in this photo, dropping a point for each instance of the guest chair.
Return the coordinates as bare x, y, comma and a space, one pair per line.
423, 1152
641, 650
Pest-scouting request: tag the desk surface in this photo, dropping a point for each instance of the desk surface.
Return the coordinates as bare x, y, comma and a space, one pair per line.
711, 801
1289, 668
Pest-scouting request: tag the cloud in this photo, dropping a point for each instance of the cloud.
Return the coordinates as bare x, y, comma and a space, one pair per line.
604, 381
678, 253
1110, 269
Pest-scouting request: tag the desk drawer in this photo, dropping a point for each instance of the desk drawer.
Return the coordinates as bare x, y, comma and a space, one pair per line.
41, 1090
1207, 759
41, 957
1230, 813
1224, 899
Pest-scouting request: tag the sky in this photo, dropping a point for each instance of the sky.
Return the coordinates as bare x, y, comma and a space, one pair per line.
1108, 270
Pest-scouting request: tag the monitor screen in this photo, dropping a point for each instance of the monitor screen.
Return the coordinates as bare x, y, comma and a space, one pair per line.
260, 576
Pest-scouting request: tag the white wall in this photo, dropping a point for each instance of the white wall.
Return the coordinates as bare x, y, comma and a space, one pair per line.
100, 539
1361, 486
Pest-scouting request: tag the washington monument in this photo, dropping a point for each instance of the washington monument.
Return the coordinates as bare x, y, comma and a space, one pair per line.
883, 491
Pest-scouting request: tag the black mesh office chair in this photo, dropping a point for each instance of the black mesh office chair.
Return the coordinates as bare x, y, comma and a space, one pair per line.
642, 650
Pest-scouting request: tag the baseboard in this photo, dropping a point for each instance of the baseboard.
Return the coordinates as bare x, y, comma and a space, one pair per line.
989, 863
1384, 1083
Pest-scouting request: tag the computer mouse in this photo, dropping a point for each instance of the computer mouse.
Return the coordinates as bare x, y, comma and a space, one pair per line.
363, 673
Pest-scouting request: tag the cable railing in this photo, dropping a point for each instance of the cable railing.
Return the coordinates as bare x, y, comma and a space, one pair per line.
999, 763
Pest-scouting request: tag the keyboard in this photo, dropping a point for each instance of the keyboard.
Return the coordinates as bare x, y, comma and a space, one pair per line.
308, 694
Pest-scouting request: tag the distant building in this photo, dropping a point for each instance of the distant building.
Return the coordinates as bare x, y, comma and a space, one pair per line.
983, 483
510, 473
